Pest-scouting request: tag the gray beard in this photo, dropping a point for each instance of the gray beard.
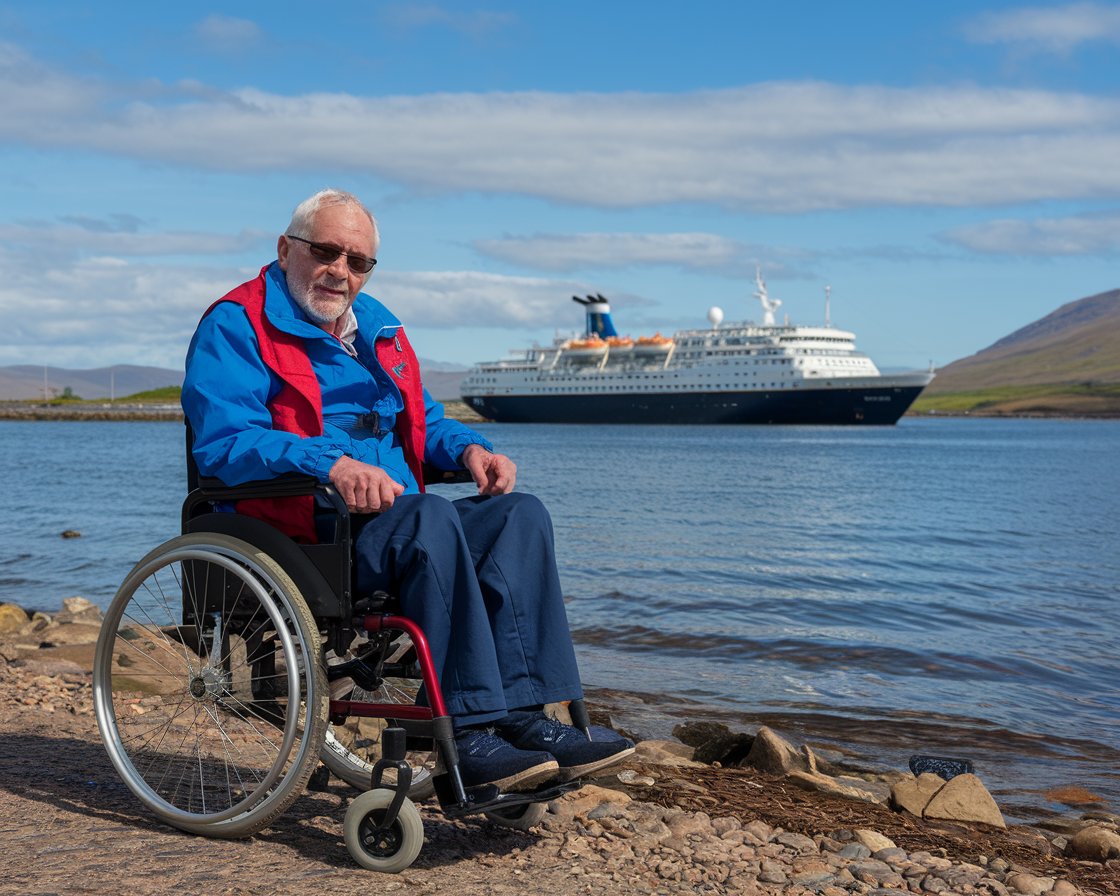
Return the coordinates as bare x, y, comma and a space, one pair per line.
317, 316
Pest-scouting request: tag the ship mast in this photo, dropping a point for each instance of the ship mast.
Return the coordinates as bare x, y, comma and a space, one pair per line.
769, 305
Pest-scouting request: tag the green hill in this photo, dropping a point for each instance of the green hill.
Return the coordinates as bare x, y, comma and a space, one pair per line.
1067, 363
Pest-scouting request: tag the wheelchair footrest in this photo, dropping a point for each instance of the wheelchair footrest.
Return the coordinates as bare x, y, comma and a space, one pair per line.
487, 798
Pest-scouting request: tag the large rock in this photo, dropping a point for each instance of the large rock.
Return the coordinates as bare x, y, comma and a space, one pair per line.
771, 753
827, 784
69, 633
714, 742
880, 790
1028, 884
48, 666
873, 840
913, 794
665, 752
1095, 843
585, 800
9, 652
78, 609
12, 618
682, 824
965, 798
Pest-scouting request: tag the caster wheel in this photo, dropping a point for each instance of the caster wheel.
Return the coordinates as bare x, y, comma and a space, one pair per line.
520, 818
391, 850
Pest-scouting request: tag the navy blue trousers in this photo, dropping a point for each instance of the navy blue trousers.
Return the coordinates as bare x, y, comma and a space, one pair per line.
478, 575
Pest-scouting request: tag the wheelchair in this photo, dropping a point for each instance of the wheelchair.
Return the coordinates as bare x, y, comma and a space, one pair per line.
232, 660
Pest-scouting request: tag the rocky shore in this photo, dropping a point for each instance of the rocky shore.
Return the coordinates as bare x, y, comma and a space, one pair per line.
89, 410
675, 819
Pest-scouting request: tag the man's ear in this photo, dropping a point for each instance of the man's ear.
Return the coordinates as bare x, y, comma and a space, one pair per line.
282, 247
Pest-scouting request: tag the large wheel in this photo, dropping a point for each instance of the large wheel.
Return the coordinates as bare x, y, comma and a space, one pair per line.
209, 690
391, 850
351, 748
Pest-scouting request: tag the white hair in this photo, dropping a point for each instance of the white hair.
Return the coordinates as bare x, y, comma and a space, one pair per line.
304, 214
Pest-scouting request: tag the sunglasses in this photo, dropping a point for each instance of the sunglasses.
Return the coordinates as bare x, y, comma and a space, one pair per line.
325, 254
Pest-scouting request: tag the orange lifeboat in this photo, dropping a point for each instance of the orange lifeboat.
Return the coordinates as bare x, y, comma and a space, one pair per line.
653, 345
586, 350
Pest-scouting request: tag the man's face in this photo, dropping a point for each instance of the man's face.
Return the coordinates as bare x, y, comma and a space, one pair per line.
325, 291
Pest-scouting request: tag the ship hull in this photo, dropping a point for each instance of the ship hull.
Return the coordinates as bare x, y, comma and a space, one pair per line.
868, 406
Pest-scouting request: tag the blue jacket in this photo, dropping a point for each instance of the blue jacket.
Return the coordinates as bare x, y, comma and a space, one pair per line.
228, 387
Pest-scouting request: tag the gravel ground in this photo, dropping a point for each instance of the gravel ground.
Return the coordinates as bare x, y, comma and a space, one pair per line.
69, 826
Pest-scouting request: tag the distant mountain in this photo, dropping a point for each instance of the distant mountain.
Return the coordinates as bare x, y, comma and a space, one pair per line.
442, 380
1079, 344
29, 382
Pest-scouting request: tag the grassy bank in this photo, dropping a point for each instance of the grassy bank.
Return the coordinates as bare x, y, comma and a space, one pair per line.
1066, 400
158, 404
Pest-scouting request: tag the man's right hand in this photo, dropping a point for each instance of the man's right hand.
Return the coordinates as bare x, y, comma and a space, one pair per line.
364, 487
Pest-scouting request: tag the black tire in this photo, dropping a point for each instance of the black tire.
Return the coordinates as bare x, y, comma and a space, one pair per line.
213, 713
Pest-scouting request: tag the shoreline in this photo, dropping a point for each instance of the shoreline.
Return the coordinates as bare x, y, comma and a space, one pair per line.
454, 409
704, 815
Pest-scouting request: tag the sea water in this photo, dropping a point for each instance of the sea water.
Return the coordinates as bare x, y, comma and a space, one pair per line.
945, 586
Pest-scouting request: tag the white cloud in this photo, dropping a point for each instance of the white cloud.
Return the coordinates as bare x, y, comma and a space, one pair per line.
1053, 29
785, 147
36, 96
121, 235
689, 251
453, 299
1074, 235
101, 310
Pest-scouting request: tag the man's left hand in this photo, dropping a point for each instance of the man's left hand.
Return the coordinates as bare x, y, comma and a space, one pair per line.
494, 474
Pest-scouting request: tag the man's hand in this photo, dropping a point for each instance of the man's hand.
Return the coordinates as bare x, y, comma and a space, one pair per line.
364, 488
494, 474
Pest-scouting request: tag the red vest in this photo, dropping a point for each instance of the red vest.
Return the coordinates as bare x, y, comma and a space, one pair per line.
298, 406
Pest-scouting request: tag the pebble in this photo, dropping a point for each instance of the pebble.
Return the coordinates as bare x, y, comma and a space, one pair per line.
855, 851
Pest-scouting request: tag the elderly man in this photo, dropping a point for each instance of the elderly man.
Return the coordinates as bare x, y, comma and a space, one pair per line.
298, 371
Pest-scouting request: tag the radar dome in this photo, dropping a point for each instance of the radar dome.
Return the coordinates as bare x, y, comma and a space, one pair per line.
715, 316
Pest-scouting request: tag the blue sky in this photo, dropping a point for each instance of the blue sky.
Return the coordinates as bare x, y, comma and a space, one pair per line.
948, 168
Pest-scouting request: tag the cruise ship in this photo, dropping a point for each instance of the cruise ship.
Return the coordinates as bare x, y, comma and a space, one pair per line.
725, 373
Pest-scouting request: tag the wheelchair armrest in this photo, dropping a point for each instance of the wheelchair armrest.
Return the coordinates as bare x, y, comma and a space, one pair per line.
293, 485
289, 485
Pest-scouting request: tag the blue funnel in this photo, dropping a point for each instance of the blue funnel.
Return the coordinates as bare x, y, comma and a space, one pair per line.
599, 321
